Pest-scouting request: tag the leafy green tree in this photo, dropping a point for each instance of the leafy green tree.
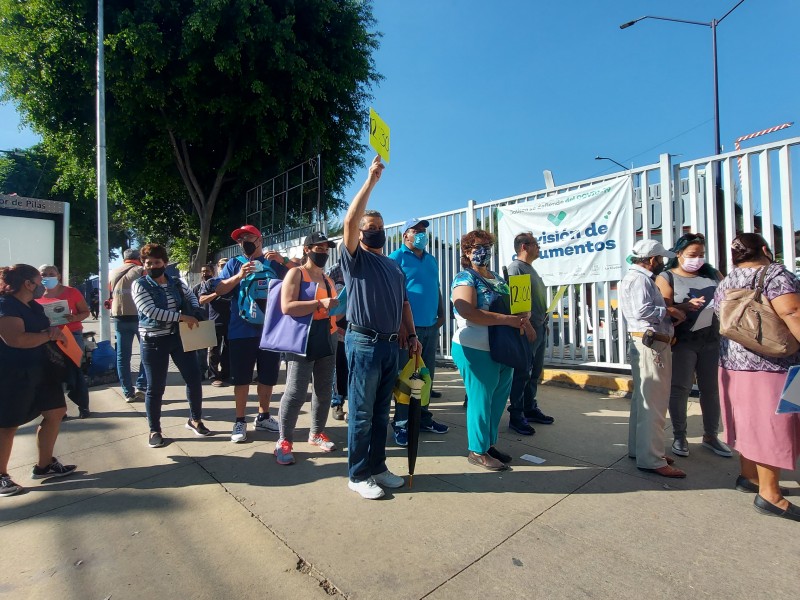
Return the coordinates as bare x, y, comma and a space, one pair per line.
204, 98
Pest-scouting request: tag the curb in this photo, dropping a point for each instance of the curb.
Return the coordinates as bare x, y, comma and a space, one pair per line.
592, 381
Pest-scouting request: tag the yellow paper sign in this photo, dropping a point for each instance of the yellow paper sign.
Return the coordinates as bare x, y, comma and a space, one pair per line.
556, 298
520, 293
378, 135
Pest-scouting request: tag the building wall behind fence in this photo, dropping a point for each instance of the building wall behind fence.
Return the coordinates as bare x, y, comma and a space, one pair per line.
585, 328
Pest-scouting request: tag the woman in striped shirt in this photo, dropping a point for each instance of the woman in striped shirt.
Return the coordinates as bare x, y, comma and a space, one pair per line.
163, 301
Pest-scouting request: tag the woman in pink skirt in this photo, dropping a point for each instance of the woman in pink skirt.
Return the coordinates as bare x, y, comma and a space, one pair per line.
750, 384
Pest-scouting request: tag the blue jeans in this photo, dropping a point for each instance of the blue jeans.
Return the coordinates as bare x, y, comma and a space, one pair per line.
526, 383
77, 390
340, 378
372, 366
156, 352
429, 338
126, 331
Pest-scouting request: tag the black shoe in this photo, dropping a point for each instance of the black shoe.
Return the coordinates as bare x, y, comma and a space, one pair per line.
199, 429
767, 508
155, 441
537, 416
435, 394
84, 413
743, 484
501, 456
54, 469
521, 427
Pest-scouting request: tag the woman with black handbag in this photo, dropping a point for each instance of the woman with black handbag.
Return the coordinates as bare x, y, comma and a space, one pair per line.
477, 293
162, 302
29, 384
320, 359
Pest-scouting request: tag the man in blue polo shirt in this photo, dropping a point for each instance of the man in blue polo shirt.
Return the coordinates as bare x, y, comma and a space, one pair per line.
377, 306
244, 337
424, 295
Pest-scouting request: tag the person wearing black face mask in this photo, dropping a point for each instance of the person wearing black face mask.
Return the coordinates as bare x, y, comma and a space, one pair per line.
377, 310
650, 323
320, 360
244, 337
162, 302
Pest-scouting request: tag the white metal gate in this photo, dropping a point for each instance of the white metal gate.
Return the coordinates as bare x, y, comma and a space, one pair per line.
585, 328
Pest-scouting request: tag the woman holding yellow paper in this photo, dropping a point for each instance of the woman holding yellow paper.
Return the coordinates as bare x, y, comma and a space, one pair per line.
28, 385
162, 302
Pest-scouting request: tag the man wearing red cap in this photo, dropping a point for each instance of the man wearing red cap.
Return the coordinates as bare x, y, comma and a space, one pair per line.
244, 337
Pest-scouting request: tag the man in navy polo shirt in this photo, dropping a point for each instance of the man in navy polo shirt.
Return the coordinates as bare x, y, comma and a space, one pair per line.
244, 337
377, 306
424, 295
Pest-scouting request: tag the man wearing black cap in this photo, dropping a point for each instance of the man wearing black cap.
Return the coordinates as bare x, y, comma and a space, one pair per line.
377, 306
244, 337
424, 296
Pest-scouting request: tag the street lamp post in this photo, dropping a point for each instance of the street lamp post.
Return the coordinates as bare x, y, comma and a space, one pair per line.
713, 25
720, 201
613, 161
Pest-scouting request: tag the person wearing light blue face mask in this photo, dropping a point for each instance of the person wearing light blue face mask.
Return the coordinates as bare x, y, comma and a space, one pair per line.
422, 287
78, 311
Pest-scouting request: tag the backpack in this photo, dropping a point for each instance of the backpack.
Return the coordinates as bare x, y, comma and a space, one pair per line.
253, 292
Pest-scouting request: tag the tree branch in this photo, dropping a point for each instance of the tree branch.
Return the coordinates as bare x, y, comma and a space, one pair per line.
190, 172
184, 175
218, 181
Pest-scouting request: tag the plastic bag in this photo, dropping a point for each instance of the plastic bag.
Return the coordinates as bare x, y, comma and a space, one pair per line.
402, 387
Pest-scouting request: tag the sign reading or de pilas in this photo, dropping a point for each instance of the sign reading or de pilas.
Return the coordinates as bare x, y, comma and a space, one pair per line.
14, 202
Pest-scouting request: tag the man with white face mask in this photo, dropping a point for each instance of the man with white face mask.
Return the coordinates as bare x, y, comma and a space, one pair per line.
689, 285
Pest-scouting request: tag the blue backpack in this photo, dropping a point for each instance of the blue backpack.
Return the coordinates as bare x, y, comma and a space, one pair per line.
253, 292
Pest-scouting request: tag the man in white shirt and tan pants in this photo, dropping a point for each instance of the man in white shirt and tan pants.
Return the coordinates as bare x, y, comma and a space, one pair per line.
649, 323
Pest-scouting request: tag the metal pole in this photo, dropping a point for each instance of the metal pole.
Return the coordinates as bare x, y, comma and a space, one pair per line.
65, 245
717, 144
102, 190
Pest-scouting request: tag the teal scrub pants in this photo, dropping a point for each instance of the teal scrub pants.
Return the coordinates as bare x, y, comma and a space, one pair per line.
487, 384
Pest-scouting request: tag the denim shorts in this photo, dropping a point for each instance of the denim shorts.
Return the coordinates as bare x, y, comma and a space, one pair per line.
245, 355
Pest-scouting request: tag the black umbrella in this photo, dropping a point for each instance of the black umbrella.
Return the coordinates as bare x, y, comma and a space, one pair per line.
416, 383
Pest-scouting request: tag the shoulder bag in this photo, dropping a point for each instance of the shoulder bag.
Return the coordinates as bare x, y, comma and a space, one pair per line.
507, 345
747, 317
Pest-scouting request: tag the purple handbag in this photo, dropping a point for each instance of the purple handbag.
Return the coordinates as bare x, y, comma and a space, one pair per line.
284, 333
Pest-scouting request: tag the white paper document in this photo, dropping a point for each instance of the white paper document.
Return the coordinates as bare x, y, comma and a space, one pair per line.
531, 458
204, 335
57, 312
704, 318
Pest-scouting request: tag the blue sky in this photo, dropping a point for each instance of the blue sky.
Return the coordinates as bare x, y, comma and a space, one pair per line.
482, 95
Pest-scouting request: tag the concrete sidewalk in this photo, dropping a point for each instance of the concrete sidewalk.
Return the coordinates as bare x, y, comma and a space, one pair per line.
205, 518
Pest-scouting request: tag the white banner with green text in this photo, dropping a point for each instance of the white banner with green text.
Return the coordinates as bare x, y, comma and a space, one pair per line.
584, 235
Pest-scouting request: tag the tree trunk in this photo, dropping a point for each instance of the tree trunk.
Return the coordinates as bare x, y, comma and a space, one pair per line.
203, 204
201, 258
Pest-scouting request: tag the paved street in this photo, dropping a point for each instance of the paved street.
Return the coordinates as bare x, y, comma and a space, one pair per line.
205, 518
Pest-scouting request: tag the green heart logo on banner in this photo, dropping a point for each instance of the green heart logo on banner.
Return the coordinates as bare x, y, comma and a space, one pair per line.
557, 219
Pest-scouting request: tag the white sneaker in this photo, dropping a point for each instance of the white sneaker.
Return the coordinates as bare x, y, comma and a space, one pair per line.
267, 423
368, 489
239, 433
388, 479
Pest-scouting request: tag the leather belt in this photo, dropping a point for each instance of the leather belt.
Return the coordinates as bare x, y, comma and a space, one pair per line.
656, 336
384, 337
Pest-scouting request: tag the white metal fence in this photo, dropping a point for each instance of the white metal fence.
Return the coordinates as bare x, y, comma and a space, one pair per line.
585, 327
